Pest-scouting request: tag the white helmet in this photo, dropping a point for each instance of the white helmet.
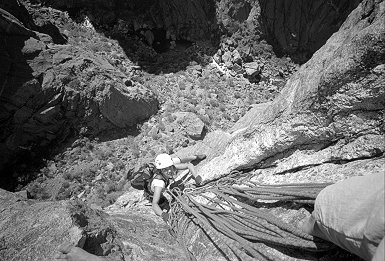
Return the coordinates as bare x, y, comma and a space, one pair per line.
163, 161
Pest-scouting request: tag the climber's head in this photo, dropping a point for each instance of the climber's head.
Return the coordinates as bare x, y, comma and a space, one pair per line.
163, 161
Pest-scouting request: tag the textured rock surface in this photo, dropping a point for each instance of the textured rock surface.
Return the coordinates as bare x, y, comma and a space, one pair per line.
294, 28
144, 235
302, 37
47, 90
337, 96
32, 230
190, 123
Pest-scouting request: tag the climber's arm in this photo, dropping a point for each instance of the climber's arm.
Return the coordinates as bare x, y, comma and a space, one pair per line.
155, 200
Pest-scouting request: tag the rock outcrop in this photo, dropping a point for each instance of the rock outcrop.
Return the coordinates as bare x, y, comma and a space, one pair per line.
33, 230
331, 109
50, 90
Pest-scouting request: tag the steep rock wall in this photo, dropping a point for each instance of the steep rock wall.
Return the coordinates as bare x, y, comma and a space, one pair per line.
333, 100
299, 28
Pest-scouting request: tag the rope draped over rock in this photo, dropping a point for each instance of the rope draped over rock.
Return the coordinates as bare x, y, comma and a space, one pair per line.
231, 218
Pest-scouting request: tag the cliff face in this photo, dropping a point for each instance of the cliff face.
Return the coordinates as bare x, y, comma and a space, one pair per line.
33, 230
299, 28
294, 28
330, 111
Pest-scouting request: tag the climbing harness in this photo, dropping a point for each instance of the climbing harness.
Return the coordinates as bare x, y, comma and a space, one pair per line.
229, 211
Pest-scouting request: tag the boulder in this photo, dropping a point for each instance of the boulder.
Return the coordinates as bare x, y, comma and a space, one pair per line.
190, 123
252, 69
237, 59
32, 230
128, 230
226, 57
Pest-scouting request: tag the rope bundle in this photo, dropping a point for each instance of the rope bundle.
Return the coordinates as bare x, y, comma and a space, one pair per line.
239, 229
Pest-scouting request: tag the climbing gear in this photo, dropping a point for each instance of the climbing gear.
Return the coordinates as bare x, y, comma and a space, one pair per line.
143, 177
163, 161
236, 217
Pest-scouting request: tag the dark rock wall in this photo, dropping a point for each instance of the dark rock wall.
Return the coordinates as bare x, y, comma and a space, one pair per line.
299, 28
188, 20
294, 28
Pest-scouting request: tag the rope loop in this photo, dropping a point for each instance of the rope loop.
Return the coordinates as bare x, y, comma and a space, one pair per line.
231, 218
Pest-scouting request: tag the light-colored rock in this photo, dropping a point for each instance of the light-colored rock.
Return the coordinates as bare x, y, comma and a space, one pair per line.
191, 124
322, 103
252, 69
33, 230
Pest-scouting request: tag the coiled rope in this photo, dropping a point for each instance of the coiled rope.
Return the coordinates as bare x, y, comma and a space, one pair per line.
235, 225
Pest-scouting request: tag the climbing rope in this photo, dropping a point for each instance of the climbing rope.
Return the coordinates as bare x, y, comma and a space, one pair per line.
230, 216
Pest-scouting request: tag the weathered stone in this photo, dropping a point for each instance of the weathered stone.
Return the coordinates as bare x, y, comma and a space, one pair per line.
325, 101
32, 230
217, 58
252, 69
236, 57
226, 57
237, 69
191, 124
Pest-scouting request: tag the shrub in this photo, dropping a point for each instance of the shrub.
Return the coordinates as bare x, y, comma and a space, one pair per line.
170, 118
169, 149
190, 108
36, 191
182, 86
214, 103
161, 126
226, 116
109, 187
63, 194
230, 82
67, 176
193, 101
155, 136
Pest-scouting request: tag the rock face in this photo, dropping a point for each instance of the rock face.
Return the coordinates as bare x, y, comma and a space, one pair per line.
156, 20
48, 90
331, 110
299, 28
192, 125
33, 230
293, 28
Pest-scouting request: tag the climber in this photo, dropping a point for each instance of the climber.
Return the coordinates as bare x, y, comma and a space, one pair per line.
168, 168
350, 214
